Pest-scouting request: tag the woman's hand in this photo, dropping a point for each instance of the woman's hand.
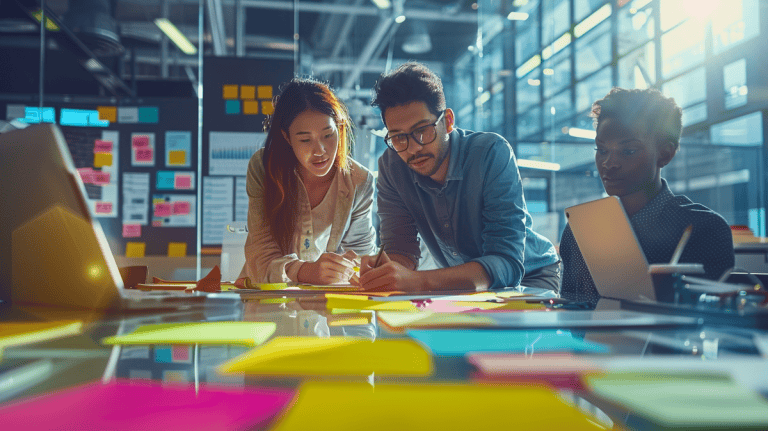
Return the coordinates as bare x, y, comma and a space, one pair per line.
329, 268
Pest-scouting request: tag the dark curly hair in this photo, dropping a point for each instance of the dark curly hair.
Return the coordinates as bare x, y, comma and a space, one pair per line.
410, 82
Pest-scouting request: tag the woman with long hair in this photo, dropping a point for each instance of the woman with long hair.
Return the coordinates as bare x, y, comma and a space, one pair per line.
309, 211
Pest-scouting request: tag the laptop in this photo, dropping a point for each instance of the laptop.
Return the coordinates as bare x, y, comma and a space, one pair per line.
54, 252
612, 252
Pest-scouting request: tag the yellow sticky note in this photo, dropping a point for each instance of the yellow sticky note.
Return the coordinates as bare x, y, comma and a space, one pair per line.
399, 320
250, 107
177, 249
237, 333
359, 302
177, 157
102, 159
267, 108
230, 91
265, 92
108, 113
135, 249
247, 92
21, 333
438, 406
333, 356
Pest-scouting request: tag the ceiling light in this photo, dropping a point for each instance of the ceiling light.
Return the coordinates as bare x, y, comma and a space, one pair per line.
400, 19
549, 71
517, 16
582, 133
382, 4
535, 164
176, 36
534, 82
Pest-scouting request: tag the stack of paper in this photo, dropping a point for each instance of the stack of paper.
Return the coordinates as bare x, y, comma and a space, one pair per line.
239, 333
333, 356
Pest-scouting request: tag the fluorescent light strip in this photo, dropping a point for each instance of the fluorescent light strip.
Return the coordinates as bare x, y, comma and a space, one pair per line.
582, 133
176, 36
528, 66
534, 164
382, 4
517, 16
593, 20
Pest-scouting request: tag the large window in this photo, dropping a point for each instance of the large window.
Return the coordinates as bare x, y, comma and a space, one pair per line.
638, 68
735, 84
690, 93
557, 73
635, 25
682, 47
582, 8
555, 21
734, 22
526, 41
593, 50
593, 88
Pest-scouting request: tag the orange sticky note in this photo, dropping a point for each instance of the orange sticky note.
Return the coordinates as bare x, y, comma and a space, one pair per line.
267, 108
177, 249
230, 92
265, 92
135, 249
250, 107
108, 113
102, 159
247, 91
177, 157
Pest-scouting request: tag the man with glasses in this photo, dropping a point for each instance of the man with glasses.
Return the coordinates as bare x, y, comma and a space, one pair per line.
458, 190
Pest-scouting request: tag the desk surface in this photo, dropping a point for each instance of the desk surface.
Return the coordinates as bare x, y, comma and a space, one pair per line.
74, 360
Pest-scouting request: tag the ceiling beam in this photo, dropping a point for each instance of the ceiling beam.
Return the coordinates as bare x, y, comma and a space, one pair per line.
378, 34
216, 22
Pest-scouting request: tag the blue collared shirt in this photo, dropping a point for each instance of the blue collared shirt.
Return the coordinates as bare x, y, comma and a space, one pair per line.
477, 215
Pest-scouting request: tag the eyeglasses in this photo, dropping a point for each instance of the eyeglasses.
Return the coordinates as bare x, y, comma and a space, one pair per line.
423, 135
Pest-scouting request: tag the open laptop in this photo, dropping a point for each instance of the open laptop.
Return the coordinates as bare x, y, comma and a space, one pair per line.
612, 252
54, 252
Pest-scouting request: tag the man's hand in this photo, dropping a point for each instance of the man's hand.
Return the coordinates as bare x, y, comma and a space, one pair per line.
329, 268
389, 275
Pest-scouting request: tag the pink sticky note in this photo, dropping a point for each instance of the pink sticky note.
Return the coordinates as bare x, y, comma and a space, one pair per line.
183, 181
135, 404
100, 146
163, 209
140, 141
100, 178
181, 207
131, 230
103, 207
143, 154
86, 174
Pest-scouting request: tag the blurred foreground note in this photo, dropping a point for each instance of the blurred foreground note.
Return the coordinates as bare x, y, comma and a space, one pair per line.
21, 333
145, 405
684, 401
333, 356
240, 333
398, 320
360, 302
341, 406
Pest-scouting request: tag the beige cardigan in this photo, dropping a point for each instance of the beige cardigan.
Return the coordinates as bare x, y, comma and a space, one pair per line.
352, 228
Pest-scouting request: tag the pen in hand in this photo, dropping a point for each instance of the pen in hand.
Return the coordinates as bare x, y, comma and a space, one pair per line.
681, 245
377, 262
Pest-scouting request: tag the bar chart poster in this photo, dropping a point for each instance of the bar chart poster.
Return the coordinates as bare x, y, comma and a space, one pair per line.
230, 152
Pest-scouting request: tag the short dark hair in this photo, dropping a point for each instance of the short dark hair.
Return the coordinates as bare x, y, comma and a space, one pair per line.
411, 82
646, 109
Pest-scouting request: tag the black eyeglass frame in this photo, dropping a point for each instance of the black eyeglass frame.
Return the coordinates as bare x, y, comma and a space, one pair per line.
410, 135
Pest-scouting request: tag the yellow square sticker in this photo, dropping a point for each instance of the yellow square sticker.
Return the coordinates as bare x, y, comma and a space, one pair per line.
177, 157
102, 159
177, 249
265, 92
267, 108
248, 92
230, 91
250, 107
108, 113
135, 249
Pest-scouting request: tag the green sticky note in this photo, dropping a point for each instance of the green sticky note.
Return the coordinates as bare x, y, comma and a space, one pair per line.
239, 333
149, 114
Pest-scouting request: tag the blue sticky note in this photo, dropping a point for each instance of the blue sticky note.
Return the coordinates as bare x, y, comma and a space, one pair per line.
149, 114
458, 342
232, 106
165, 180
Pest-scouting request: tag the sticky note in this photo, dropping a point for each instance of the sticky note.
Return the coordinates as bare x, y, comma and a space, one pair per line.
144, 154
250, 107
265, 91
356, 302
230, 92
163, 209
397, 320
102, 159
355, 406
108, 113
232, 107
333, 356
183, 181
21, 333
177, 157
100, 178
131, 230
181, 208
134, 249
177, 249
267, 108
103, 207
165, 180
149, 114
140, 141
86, 174
101, 146
234, 333
247, 92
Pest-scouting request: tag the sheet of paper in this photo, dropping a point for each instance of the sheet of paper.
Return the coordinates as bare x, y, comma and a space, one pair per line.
217, 208
458, 342
447, 406
239, 333
136, 198
333, 356
135, 405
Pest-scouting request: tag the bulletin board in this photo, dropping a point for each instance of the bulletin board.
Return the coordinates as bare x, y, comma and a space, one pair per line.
237, 97
138, 162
